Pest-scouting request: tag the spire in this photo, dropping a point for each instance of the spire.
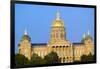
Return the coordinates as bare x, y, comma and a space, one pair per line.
84, 36
88, 32
57, 15
25, 32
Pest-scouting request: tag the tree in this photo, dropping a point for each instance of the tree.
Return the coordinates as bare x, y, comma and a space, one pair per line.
36, 60
87, 58
52, 58
20, 60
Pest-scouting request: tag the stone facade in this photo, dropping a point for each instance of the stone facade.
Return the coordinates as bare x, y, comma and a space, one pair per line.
67, 51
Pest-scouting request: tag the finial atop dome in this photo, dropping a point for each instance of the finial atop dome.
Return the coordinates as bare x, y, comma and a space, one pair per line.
25, 32
58, 22
88, 32
84, 35
57, 15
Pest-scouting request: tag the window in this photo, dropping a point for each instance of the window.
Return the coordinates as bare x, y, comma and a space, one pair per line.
66, 46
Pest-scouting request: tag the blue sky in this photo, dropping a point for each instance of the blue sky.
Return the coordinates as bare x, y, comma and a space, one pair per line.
37, 19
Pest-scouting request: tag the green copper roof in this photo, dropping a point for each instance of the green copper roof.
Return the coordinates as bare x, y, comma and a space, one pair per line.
26, 37
86, 38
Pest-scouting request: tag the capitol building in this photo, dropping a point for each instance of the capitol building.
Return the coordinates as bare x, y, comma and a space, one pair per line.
67, 51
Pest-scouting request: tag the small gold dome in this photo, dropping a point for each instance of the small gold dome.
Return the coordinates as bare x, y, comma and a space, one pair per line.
58, 22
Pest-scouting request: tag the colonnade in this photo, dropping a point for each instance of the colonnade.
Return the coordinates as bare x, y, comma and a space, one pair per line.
64, 53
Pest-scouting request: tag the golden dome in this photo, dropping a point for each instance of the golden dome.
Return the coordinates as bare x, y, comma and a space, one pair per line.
58, 22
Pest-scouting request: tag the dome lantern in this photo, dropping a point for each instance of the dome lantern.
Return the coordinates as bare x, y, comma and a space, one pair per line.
25, 36
25, 32
58, 22
57, 16
88, 32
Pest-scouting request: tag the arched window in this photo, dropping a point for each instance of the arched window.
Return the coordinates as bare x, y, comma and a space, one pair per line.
67, 46
63, 59
61, 35
64, 46
57, 35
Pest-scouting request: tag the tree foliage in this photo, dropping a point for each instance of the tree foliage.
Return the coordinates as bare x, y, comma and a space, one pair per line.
20, 60
87, 58
52, 58
36, 60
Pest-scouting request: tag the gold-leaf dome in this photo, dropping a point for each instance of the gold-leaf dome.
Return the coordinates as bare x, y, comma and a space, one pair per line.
58, 22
